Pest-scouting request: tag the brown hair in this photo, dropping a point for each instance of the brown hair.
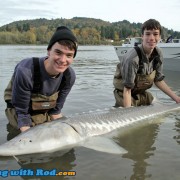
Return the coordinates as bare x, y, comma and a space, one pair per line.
150, 25
71, 45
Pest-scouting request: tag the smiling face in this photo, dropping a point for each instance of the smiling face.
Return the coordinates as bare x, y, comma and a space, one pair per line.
151, 35
150, 39
59, 59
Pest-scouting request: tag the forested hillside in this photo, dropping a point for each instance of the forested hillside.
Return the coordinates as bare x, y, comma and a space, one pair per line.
87, 30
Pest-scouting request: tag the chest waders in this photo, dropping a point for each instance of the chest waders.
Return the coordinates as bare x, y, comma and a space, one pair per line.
139, 95
39, 105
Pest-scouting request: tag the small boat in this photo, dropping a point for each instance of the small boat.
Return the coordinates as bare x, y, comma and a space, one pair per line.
170, 50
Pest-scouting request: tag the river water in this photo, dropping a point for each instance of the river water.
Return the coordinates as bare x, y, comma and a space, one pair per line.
153, 150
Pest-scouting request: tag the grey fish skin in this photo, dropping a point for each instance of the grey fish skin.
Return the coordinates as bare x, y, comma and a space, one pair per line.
105, 122
62, 134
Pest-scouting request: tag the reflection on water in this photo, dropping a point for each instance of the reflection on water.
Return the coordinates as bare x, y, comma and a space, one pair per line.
58, 161
140, 146
153, 150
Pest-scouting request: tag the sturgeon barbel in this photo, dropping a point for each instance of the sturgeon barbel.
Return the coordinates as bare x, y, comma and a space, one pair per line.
83, 130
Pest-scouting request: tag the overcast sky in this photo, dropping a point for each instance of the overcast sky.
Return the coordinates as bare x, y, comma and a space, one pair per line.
167, 12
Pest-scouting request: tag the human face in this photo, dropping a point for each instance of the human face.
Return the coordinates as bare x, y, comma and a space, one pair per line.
150, 38
59, 59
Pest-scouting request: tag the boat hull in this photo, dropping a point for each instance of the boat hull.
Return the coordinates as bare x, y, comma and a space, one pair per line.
171, 56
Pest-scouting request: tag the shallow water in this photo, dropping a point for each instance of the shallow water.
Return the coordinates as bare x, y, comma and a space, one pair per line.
153, 149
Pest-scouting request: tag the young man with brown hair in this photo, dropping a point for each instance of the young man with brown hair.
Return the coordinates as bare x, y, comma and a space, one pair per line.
140, 68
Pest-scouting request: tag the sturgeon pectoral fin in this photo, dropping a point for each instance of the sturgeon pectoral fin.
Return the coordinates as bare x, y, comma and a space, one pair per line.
104, 145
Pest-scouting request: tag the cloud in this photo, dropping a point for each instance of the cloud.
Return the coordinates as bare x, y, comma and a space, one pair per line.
116, 10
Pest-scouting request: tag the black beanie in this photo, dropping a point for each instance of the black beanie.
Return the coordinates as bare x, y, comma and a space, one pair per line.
63, 33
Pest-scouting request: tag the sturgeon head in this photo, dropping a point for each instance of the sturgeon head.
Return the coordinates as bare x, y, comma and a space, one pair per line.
47, 137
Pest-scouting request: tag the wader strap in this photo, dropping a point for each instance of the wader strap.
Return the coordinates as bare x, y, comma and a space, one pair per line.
140, 59
155, 62
9, 104
37, 76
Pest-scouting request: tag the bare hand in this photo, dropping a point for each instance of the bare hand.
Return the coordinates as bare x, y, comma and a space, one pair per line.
56, 116
177, 100
24, 128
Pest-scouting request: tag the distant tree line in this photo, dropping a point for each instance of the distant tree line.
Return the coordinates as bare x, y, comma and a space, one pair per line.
87, 30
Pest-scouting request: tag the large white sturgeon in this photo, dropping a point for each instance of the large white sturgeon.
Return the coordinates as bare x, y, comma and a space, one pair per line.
84, 130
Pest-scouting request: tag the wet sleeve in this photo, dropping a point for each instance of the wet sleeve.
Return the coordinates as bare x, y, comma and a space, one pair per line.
129, 71
21, 95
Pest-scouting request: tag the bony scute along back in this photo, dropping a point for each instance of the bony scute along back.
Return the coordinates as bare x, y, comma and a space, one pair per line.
83, 130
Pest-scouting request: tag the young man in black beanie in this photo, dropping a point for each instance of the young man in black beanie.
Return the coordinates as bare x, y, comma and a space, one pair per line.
39, 86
